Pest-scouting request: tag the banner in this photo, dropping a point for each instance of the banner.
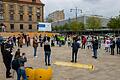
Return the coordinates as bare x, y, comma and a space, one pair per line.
44, 26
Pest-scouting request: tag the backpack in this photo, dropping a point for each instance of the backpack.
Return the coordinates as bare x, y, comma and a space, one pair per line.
15, 64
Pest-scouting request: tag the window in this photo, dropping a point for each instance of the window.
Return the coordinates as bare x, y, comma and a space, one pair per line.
21, 8
21, 17
30, 17
30, 9
21, 26
38, 17
1, 16
12, 26
11, 7
30, 26
33, 0
11, 17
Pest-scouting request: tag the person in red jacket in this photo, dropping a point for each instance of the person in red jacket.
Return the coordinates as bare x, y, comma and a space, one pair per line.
83, 42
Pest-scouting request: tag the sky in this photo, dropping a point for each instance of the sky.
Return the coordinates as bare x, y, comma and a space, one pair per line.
106, 8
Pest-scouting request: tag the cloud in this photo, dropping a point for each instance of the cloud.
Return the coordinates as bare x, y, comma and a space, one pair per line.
106, 8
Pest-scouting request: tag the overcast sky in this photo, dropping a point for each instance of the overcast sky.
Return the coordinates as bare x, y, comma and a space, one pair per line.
107, 8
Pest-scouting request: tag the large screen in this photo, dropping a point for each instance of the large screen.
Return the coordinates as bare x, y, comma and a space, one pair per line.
44, 26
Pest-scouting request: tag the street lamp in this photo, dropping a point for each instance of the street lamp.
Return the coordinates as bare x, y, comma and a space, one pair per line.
76, 11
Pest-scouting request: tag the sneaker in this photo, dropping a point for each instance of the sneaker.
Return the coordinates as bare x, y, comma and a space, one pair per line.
36, 56
49, 64
8, 76
72, 61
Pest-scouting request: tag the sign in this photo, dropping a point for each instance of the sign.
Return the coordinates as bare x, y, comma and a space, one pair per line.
44, 26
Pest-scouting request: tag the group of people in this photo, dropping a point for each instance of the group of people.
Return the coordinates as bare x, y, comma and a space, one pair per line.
73, 41
11, 61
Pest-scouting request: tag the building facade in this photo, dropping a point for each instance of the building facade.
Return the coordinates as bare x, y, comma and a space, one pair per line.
1, 10
22, 15
83, 19
57, 15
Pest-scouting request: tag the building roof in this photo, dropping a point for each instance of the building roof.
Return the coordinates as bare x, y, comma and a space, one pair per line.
30, 1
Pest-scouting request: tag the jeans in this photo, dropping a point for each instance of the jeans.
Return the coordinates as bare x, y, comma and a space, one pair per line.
118, 50
21, 72
47, 57
83, 46
35, 51
95, 52
112, 51
74, 55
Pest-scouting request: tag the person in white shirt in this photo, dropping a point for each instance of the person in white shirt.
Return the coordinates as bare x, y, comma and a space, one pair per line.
107, 44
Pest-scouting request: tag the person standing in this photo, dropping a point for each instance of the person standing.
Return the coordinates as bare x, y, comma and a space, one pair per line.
41, 40
21, 41
107, 45
83, 42
21, 69
75, 46
14, 40
35, 45
118, 45
7, 58
28, 40
95, 47
112, 46
47, 50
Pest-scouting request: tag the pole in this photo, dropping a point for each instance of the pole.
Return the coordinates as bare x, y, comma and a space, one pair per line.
76, 11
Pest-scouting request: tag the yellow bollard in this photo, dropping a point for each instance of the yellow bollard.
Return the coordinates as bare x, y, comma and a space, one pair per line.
39, 74
85, 66
30, 73
43, 74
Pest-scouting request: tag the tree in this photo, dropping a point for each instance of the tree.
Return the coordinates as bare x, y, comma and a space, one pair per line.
114, 23
66, 27
93, 23
50, 20
76, 26
81, 26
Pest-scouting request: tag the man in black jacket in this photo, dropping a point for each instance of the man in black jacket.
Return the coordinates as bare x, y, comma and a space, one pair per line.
47, 50
95, 47
118, 45
75, 47
7, 58
112, 46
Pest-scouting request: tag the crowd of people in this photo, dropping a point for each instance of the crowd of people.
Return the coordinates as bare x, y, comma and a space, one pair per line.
16, 61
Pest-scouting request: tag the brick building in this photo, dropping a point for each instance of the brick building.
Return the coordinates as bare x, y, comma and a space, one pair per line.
22, 15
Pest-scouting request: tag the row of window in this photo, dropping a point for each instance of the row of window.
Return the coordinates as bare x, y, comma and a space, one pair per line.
12, 27
21, 17
21, 9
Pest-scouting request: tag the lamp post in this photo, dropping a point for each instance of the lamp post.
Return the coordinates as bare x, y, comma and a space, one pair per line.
76, 11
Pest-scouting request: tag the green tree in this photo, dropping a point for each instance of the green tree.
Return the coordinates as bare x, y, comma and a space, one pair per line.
81, 26
50, 20
76, 26
114, 23
93, 23
66, 27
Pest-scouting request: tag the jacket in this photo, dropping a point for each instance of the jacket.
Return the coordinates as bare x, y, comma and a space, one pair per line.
95, 44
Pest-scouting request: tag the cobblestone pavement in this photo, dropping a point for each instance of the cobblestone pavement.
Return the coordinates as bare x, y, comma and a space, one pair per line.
107, 67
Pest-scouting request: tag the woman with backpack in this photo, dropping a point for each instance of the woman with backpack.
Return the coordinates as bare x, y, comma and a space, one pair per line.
18, 66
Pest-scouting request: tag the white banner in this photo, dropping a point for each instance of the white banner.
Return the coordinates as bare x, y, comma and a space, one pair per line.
44, 26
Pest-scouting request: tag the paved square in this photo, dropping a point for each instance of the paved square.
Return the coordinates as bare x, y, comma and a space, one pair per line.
107, 67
